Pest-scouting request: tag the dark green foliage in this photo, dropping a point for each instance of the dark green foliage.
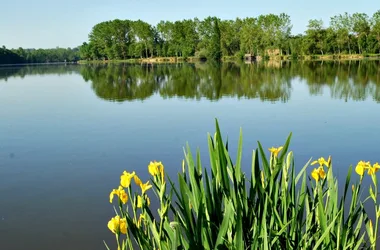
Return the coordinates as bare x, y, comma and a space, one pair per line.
9, 57
20, 55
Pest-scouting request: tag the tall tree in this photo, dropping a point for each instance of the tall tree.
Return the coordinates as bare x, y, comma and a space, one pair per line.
342, 24
316, 36
210, 37
144, 37
361, 28
375, 23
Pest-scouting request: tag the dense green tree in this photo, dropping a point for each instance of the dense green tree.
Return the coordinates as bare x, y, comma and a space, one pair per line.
250, 36
210, 37
361, 28
229, 36
164, 29
342, 24
144, 39
375, 23
10, 57
21, 55
315, 37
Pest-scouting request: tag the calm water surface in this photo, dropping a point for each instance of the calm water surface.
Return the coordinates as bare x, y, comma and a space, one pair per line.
67, 132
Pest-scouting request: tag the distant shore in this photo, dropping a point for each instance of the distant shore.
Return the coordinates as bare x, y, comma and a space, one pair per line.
36, 64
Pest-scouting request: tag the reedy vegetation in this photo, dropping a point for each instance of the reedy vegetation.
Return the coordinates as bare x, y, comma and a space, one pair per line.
214, 38
223, 208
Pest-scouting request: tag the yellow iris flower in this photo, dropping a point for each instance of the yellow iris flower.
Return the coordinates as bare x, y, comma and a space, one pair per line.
372, 170
155, 168
140, 201
117, 225
318, 173
321, 161
321, 172
145, 187
275, 151
315, 174
362, 166
120, 193
123, 226
125, 178
137, 180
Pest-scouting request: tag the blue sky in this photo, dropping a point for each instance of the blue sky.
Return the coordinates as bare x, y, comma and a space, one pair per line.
48, 24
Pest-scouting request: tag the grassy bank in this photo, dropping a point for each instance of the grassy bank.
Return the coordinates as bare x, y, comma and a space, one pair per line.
147, 60
218, 206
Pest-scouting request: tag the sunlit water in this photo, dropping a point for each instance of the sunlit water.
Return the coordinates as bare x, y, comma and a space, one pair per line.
67, 132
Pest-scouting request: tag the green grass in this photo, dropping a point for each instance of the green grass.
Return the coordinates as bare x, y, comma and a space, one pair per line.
218, 206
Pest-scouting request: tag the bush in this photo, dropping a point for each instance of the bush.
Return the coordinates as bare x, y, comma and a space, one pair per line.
201, 54
222, 208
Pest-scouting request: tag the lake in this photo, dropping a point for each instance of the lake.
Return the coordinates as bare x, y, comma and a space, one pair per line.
68, 131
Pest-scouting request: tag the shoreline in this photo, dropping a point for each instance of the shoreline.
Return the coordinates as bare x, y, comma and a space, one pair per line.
37, 64
158, 60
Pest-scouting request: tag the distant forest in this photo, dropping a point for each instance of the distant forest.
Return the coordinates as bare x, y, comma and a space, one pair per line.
20, 55
213, 38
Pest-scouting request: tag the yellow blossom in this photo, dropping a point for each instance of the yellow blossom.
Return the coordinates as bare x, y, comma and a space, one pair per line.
156, 168
315, 174
372, 170
361, 167
123, 196
137, 180
145, 187
139, 201
117, 225
123, 226
162, 172
321, 161
113, 224
153, 168
275, 151
125, 179
321, 172
120, 193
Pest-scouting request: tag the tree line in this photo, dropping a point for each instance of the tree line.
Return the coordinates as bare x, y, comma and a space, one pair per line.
20, 55
214, 38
